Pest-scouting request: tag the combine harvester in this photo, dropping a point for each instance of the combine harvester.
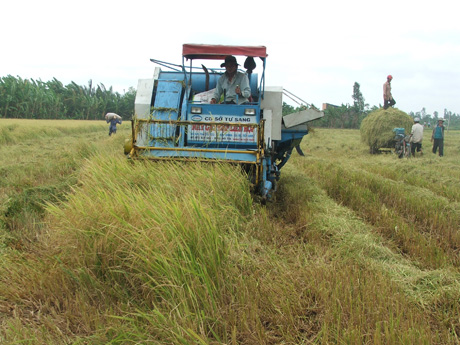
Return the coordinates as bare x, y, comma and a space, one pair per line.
174, 119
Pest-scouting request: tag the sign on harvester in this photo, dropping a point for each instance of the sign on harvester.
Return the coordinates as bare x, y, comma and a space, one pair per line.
232, 132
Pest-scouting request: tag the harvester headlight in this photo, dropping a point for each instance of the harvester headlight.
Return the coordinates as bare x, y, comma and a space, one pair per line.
196, 110
249, 111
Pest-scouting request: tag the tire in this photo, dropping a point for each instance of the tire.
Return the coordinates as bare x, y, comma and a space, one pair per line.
398, 149
128, 146
402, 151
407, 149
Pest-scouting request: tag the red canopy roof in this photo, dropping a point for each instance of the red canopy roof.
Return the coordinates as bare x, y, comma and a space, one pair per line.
219, 52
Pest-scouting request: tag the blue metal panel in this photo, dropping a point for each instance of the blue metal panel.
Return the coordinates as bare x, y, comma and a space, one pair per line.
166, 107
228, 133
186, 96
227, 155
288, 134
168, 94
229, 110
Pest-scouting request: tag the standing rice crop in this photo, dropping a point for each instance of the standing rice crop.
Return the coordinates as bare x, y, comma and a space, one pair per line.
153, 236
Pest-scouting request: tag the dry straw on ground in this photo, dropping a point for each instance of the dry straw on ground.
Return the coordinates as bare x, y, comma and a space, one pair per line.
377, 128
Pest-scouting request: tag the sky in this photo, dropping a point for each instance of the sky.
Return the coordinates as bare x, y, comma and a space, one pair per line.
316, 50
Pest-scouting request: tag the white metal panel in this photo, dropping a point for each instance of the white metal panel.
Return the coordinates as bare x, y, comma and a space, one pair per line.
142, 104
273, 100
156, 73
143, 98
144, 95
300, 117
268, 127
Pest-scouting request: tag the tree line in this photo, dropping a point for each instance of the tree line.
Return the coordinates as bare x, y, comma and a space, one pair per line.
453, 119
35, 99
351, 115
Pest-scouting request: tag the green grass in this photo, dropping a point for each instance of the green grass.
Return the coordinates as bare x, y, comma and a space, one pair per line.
95, 249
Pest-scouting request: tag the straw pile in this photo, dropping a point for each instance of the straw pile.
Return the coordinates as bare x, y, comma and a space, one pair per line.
377, 128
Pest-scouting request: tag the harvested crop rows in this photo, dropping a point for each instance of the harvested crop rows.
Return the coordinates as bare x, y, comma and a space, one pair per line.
356, 248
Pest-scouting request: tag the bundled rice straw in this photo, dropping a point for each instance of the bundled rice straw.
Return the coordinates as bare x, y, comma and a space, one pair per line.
377, 128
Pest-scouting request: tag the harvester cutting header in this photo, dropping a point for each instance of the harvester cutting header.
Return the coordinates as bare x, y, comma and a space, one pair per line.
185, 113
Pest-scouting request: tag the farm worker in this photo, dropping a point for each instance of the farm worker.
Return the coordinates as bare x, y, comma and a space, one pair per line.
437, 137
113, 119
416, 137
233, 84
388, 100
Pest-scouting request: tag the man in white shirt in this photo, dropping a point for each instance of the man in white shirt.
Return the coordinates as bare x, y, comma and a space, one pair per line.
416, 137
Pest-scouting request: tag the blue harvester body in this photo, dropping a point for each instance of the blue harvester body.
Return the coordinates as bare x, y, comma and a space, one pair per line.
174, 119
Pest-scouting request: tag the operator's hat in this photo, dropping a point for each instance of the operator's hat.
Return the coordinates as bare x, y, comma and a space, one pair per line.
229, 59
441, 120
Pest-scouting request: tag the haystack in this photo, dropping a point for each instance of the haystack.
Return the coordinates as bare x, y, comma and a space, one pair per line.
377, 128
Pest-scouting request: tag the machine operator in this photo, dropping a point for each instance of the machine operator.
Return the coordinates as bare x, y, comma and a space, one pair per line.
233, 84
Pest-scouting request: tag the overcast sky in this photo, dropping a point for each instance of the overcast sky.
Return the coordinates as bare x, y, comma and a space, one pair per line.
317, 50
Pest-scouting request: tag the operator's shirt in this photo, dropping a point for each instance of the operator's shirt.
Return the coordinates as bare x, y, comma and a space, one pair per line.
223, 83
417, 133
387, 91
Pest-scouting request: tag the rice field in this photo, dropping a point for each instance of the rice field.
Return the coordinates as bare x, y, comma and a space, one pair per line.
356, 248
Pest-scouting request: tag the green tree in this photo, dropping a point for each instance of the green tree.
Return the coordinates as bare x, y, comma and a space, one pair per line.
287, 109
359, 107
358, 99
34, 99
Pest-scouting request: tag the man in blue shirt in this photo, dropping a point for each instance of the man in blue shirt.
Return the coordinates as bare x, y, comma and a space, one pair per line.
233, 84
437, 137
113, 119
